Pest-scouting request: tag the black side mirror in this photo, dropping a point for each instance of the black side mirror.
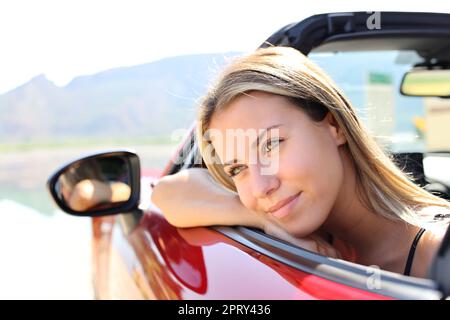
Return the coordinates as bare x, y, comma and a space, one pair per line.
99, 184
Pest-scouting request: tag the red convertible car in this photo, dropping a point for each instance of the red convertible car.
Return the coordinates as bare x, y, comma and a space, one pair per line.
139, 255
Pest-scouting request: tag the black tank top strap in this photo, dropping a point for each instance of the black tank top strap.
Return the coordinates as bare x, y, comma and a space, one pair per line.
412, 251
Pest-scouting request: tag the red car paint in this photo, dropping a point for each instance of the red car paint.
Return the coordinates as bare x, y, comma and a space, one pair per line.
195, 264
201, 263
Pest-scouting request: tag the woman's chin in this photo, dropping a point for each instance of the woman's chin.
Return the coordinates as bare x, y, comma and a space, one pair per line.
303, 226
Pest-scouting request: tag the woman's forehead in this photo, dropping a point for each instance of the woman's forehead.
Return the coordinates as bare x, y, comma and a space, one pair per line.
255, 111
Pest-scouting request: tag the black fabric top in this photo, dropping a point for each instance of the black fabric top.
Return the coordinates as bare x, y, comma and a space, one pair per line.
412, 250
419, 234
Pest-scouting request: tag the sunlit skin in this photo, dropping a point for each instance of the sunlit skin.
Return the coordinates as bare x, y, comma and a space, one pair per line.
309, 161
313, 160
90, 192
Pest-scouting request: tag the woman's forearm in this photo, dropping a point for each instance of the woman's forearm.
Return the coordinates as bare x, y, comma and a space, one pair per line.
90, 192
191, 198
120, 191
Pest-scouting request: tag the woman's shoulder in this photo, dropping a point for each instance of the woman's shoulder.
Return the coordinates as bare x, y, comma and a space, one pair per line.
436, 221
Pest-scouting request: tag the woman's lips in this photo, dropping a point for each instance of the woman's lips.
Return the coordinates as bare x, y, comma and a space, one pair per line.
283, 208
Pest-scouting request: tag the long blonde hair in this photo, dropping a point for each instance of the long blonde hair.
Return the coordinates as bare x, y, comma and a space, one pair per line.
382, 186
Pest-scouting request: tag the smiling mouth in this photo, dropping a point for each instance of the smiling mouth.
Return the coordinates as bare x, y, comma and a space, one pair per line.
283, 208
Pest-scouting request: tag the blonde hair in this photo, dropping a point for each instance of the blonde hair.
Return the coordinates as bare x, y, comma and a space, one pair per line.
382, 186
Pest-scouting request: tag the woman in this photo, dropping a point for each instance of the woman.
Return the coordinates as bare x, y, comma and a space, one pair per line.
318, 179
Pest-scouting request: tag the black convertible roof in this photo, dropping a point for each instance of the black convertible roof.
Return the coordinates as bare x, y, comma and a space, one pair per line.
426, 33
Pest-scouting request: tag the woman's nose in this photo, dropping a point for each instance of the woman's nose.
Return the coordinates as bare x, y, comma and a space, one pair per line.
262, 185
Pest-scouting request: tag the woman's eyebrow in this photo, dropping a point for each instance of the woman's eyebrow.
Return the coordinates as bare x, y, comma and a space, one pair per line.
255, 143
229, 163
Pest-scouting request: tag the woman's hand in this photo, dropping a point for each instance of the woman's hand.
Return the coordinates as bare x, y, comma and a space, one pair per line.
313, 242
191, 198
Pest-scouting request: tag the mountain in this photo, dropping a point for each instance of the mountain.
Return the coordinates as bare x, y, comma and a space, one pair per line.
156, 98
137, 101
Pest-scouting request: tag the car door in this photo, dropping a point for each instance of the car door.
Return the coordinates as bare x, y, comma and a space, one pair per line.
159, 261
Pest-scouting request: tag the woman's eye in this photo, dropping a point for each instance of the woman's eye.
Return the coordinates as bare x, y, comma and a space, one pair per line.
234, 171
270, 144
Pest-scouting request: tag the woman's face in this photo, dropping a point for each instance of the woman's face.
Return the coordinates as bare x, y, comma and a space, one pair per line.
295, 174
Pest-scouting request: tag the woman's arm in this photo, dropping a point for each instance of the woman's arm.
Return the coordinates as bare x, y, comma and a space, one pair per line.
90, 192
192, 198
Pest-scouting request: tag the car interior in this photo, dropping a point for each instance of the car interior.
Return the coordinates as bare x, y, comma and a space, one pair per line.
415, 53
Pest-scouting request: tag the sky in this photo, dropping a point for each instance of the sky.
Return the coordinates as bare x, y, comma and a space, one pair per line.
63, 39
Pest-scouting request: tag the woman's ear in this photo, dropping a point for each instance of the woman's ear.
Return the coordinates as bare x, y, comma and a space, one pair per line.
335, 130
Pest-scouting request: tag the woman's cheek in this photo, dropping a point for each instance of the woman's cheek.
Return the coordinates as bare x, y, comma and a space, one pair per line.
329, 176
245, 197
295, 166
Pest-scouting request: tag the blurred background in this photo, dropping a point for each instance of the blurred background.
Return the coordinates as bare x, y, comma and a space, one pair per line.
81, 76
